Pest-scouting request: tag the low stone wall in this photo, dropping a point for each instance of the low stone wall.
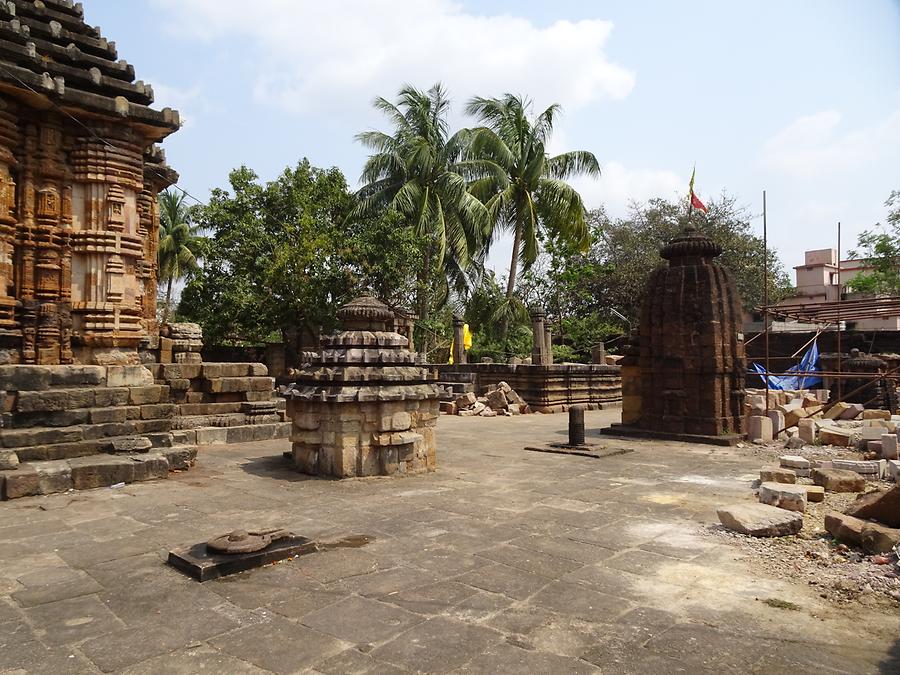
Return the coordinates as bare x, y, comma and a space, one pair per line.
546, 389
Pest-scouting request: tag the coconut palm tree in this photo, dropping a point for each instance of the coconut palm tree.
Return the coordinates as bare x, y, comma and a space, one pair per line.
525, 191
180, 244
419, 170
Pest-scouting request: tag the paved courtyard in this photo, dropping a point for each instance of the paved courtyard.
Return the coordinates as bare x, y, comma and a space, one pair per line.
502, 561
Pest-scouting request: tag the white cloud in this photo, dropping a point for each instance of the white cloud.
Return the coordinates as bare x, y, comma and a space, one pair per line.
189, 103
816, 146
312, 55
619, 186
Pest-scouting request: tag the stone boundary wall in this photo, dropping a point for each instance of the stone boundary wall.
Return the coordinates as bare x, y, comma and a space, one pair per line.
547, 389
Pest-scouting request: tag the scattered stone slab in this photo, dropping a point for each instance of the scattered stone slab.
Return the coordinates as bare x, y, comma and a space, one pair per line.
789, 497
776, 474
880, 505
759, 429
876, 415
864, 467
843, 527
854, 411
878, 538
834, 436
889, 446
815, 493
794, 462
838, 480
836, 411
760, 520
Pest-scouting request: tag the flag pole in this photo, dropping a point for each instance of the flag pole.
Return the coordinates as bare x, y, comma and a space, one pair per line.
766, 294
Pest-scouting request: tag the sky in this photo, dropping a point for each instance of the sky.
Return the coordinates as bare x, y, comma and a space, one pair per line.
800, 98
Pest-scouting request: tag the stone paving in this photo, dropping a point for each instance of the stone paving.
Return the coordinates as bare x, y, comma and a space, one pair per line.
501, 561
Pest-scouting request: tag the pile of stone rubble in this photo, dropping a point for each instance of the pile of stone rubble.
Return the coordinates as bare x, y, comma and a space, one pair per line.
784, 491
503, 401
800, 418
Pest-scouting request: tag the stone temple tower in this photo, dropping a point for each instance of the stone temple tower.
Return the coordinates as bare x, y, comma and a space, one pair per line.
690, 358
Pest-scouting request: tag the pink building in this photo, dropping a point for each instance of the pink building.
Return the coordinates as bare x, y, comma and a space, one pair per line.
817, 281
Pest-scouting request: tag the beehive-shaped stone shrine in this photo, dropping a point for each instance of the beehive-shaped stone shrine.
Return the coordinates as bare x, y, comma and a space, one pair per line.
690, 358
367, 406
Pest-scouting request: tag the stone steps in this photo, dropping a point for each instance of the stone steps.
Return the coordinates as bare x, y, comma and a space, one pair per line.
94, 471
246, 433
129, 442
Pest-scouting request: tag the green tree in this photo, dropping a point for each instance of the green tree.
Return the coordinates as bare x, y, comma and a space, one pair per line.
419, 171
180, 244
526, 191
282, 257
879, 249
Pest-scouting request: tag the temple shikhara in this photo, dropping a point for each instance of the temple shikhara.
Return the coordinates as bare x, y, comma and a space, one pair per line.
79, 176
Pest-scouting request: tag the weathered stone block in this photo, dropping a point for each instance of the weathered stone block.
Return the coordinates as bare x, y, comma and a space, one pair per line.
21, 438
776, 474
39, 401
23, 482
106, 415
836, 411
834, 436
790, 497
153, 393
760, 520
807, 430
128, 376
759, 429
212, 371
889, 446
9, 460
180, 457
100, 471
814, 493
109, 397
258, 370
853, 411
843, 527
876, 415
54, 476
77, 376
25, 378
877, 538
883, 506
150, 467
157, 411
794, 462
839, 480
239, 384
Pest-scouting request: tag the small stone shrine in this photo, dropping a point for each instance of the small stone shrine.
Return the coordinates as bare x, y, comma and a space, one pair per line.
366, 406
689, 352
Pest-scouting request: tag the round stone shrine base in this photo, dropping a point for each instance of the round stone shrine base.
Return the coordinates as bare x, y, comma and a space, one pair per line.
357, 438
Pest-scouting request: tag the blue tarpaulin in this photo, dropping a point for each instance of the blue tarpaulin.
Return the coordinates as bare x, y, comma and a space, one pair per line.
805, 377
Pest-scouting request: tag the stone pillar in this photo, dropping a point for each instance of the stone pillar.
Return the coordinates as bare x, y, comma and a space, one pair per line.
539, 337
459, 348
548, 346
598, 353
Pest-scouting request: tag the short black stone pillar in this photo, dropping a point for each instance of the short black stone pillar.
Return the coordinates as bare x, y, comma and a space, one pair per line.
576, 425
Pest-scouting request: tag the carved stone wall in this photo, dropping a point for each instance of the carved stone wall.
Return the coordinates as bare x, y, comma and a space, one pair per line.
79, 176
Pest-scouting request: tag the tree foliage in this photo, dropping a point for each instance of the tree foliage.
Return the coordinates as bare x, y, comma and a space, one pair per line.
419, 171
879, 249
180, 244
525, 189
282, 257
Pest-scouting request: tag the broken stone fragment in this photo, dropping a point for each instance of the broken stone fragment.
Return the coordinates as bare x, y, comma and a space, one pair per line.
876, 415
839, 480
790, 497
9, 460
883, 506
834, 436
760, 520
467, 400
815, 493
794, 443
496, 400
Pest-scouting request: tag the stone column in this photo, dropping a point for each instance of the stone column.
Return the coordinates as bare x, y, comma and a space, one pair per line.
539, 336
598, 353
548, 346
459, 348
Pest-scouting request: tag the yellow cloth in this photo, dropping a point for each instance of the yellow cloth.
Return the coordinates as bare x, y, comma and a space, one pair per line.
467, 342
